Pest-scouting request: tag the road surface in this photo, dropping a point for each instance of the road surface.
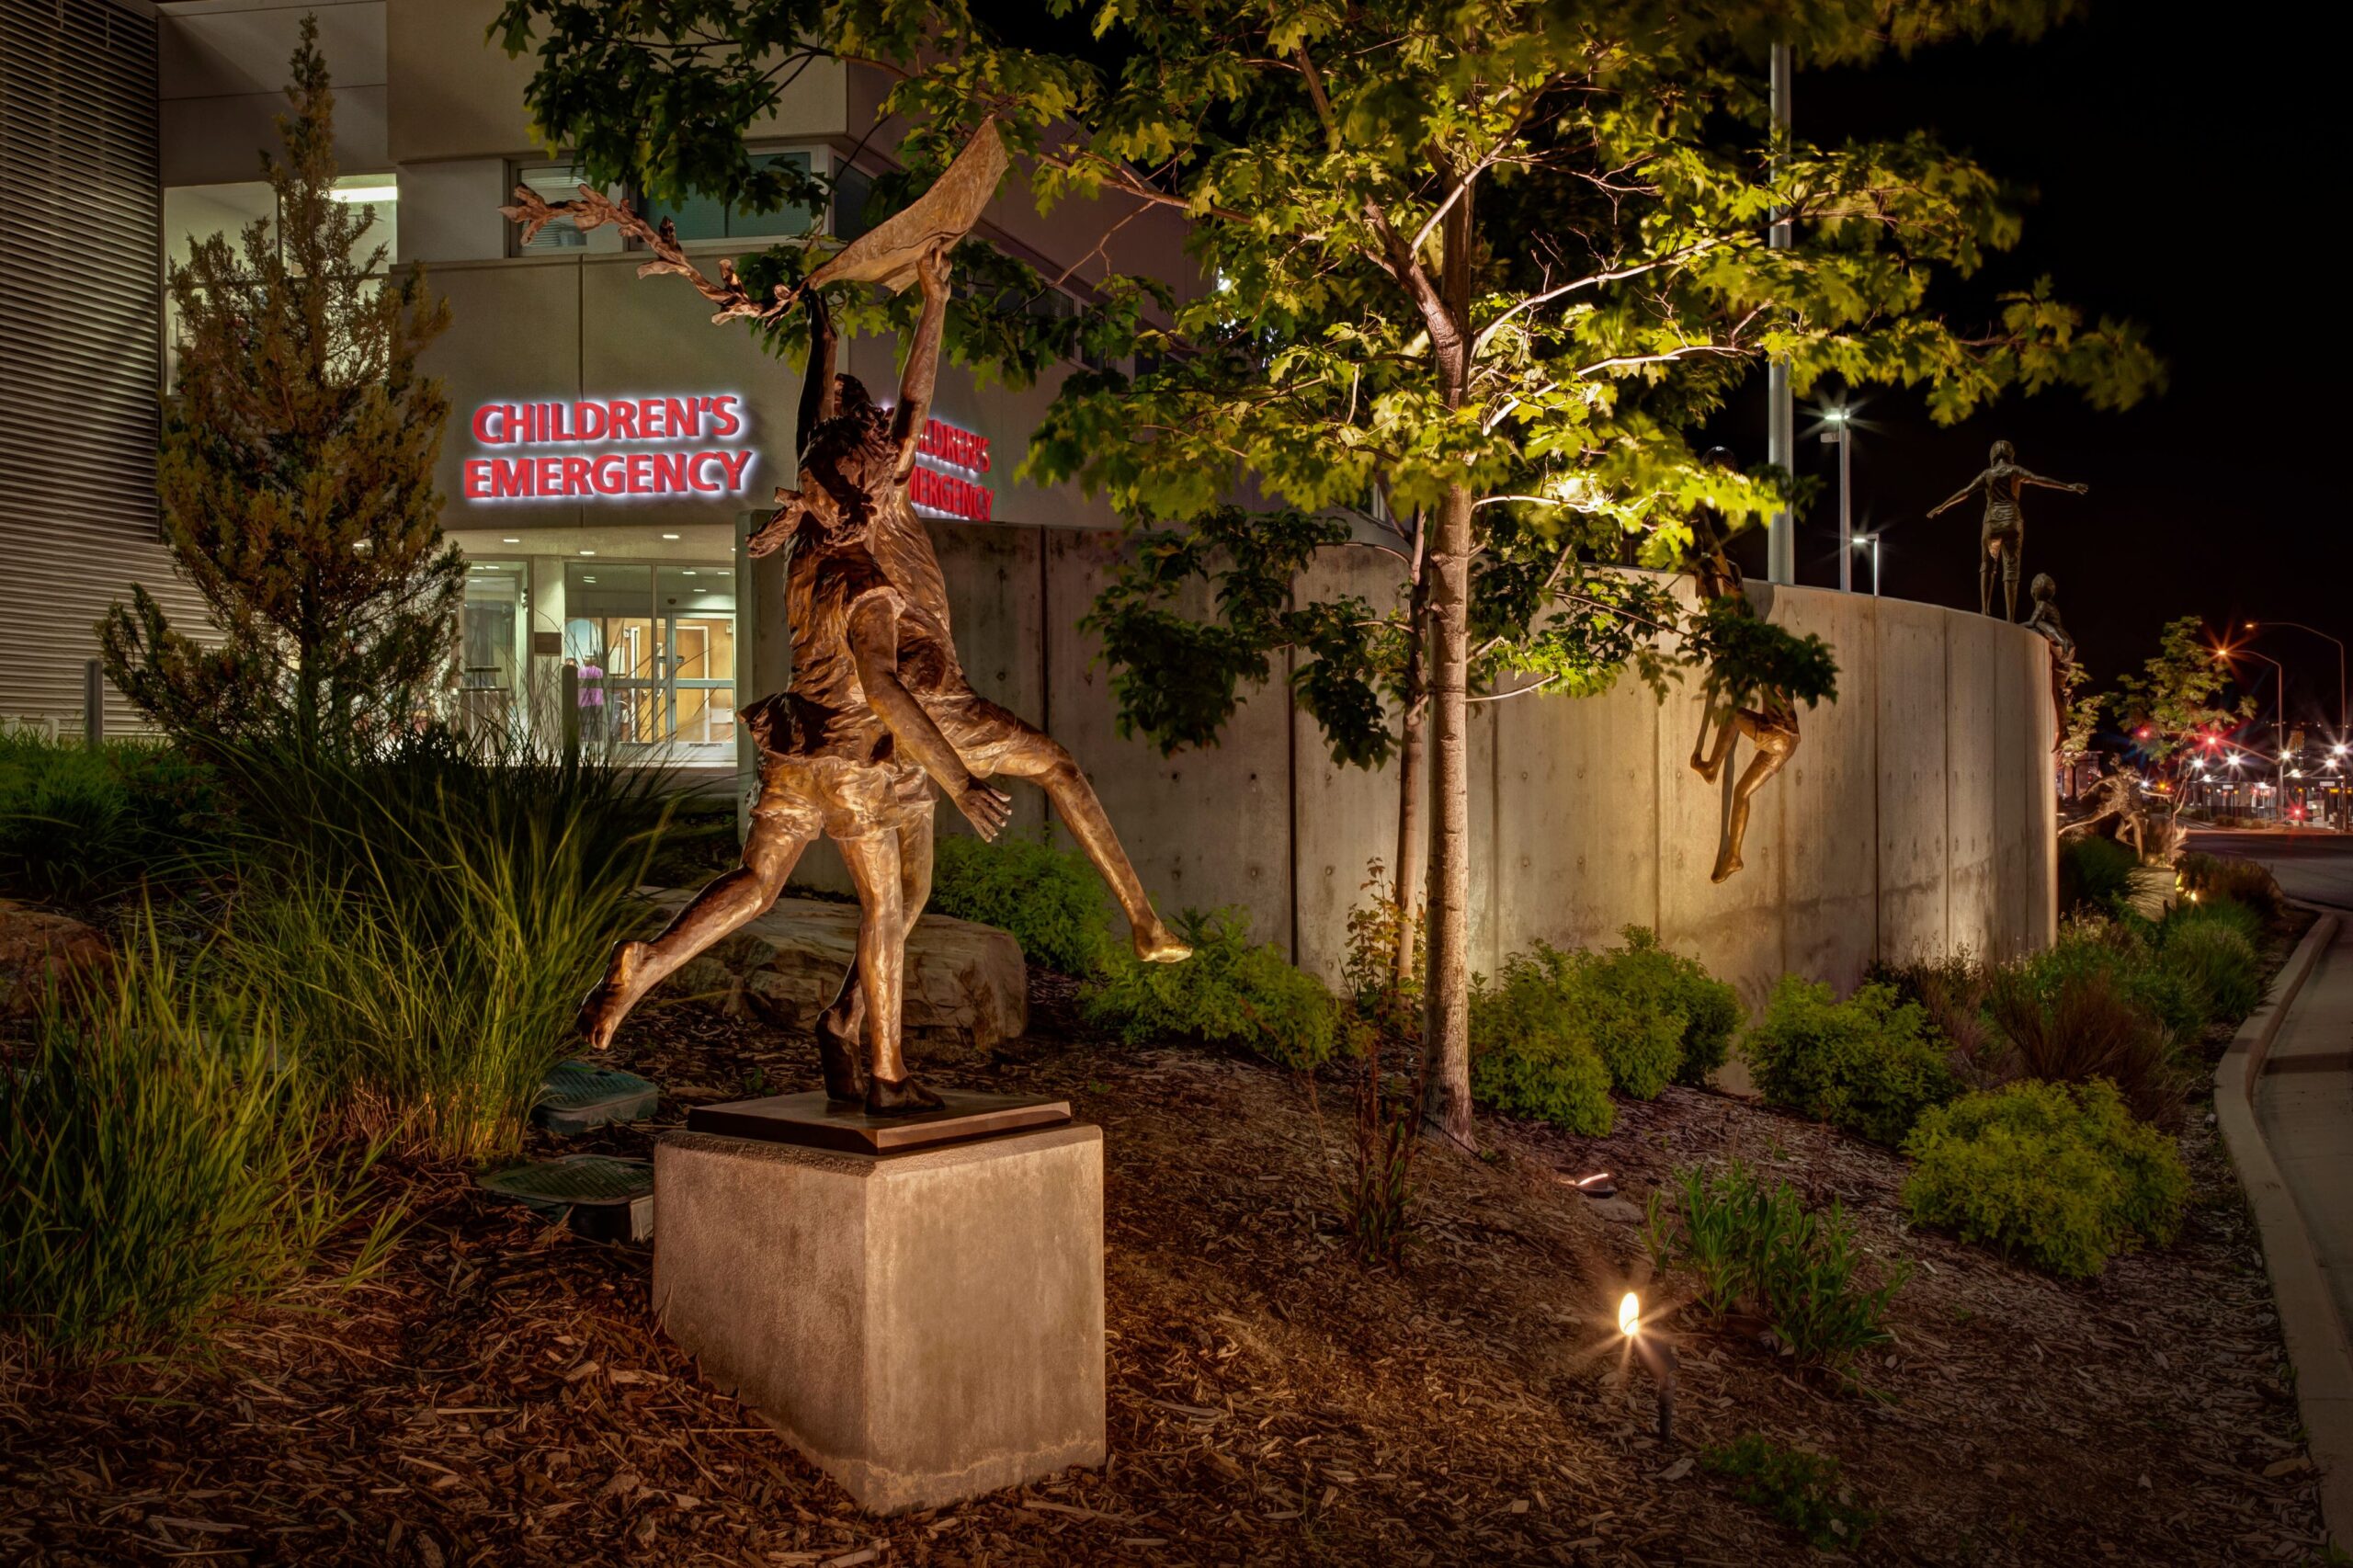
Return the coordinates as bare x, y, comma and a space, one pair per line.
2314, 866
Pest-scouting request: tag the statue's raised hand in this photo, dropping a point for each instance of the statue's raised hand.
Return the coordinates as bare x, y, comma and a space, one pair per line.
2081, 489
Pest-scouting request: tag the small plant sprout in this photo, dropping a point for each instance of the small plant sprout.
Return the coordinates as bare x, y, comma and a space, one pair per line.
1657, 1359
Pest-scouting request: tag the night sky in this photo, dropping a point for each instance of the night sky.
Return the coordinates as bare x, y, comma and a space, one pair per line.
2151, 202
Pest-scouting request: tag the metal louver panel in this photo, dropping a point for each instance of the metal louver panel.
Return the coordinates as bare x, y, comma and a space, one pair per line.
81, 324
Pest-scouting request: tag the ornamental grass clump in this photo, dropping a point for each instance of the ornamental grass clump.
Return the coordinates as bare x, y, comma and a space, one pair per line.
2248, 883
1759, 1248
2094, 875
81, 826
430, 920
1869, 1065
2219, 960
2061, 1176
2081, 1025
1049, 899
162, 1164
1229, 992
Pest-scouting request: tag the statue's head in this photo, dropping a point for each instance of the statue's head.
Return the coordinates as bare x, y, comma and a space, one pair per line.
2043, 588
851, 458
2003, 453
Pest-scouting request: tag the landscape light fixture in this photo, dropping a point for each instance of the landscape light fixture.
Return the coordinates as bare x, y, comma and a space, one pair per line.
1656, 1359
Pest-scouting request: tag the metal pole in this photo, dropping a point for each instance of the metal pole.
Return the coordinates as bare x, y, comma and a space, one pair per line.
94, 704
1845, 505
571, 720
1780, 420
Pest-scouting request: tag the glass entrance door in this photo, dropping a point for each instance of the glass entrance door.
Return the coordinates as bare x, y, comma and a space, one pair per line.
656, 651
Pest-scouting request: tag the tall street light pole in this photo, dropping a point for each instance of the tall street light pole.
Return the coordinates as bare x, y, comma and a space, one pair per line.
2300, 626
1839, 431
1780, 417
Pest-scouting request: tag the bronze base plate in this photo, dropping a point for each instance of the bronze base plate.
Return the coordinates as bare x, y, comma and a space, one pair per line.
813, 1122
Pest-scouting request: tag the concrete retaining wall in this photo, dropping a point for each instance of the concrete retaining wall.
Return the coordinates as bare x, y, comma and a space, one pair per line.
1916, 817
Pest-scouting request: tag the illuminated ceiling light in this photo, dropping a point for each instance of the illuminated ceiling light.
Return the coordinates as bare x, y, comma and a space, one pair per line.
686, 571
587, 552
670, 536
510, 542
365, 196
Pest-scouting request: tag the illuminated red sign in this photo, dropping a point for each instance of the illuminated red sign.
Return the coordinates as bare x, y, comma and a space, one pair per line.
685, 446
936, 486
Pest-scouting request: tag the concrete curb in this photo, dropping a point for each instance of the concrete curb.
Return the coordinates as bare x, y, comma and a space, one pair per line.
2317, 1338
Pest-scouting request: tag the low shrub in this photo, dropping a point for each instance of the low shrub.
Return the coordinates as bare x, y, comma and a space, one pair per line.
1800, 1489
2124, 952
1748, 1243
161, 1165
1228, 992
1868, 1065
1952, 990
2219, 959
1533, 1053
2080, 1025
2094, 874
1663, 982
2244, 882
2060, 1175
80, 826
1049, 899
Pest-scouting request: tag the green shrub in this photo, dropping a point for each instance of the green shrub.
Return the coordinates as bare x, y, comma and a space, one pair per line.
1868, 1065
1532, 1049
2058, 1174
1049, 899
2218, 959
2246, 882
430, 921
79, 826
1800, 1489
2094, 874
1661, 982
1750, 1243
160, 1164
2122, 951
1228, 992
2081, 1025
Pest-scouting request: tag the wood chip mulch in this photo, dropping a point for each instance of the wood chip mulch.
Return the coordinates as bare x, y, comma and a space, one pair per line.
500, 1395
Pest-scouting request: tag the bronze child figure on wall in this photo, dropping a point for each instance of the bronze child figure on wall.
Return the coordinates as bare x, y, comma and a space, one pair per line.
2045, 623
2001, 537
1768, 716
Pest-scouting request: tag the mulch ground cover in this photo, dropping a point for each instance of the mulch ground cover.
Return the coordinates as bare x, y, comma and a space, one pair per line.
500, 1395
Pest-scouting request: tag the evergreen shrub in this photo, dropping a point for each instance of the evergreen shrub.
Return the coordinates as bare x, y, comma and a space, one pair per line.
1228, 992
1869, 1065
1049, 899
2058, 1174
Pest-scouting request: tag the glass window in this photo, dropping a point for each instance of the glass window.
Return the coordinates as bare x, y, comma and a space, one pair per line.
561, 182
490, 655
699, 217
654, 648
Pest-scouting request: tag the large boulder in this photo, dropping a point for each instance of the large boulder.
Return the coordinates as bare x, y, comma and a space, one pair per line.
967, 988
40, 948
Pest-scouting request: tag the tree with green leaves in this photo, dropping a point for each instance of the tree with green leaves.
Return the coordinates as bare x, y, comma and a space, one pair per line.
1490, 266
296, 474
2176, 702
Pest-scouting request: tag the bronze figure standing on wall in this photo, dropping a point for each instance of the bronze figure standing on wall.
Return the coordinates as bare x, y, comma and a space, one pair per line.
2001, 537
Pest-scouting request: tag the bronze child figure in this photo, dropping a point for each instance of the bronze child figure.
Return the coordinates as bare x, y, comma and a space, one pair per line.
2001, 537
1769, 718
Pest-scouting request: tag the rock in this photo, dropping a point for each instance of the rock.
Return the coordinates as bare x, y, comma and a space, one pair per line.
967, 988
39, 948
1619, 1210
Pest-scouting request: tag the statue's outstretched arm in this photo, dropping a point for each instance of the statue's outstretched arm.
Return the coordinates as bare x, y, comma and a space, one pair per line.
818, 398
874, 648
772, 534
921, 377
1963, 494
2030, 477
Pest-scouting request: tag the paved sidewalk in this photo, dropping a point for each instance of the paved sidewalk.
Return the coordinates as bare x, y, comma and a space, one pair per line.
2304, 1105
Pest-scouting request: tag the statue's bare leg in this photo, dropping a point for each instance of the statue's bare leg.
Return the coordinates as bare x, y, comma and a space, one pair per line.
1713, 766
873, 862
1774, 741
2013, 553
742, 895
1988, 564
839, 1027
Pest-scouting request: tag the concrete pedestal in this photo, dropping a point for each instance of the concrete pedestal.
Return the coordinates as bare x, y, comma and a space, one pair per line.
925, 1326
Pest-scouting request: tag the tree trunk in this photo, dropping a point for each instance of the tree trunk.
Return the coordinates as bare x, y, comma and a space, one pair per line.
1445, 1106
1411, 784
1446, 1040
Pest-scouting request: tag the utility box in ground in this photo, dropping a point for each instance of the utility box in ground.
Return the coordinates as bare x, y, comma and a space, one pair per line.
925, 1326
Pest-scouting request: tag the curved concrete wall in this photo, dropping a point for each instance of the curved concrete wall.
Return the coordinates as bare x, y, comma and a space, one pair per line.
1917, 816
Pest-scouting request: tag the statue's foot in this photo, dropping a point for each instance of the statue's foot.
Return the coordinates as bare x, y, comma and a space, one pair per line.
610, 1000
899, 1097
845, 1078
1155, 943
1724, 869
